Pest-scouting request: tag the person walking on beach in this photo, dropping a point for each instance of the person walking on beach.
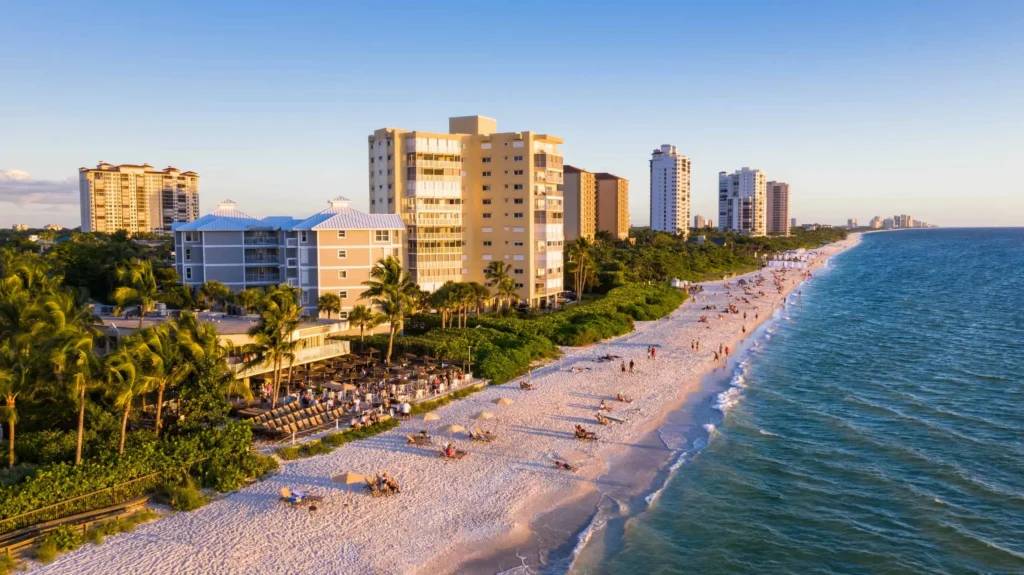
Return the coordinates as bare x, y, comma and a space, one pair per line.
698, 346
720, 347
631, 366
624, 367
726, 351
716, 356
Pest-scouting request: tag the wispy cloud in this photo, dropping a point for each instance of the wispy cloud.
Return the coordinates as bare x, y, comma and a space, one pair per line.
18, 187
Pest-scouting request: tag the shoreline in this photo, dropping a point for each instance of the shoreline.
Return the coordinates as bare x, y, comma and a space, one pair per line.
505, 554
471, 515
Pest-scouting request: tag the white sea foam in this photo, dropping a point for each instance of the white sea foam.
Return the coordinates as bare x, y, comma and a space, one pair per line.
728, 399
764, 432
595, 524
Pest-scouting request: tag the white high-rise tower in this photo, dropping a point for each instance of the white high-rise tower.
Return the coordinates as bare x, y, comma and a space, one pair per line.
670, 191
742, 202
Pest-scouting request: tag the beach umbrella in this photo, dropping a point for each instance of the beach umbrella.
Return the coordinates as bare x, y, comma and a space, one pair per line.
451, 429
484, 415
503, 401
348, 479
430, 417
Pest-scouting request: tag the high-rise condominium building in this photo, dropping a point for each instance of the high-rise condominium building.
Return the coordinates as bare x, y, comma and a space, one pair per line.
332, 251
19, 227
471, 197
792, 223
699, 222
136, 198
742, 205
595, 202
670, 191
851, 223
579, 189
613, 205
903, 221
876, 222
778, 207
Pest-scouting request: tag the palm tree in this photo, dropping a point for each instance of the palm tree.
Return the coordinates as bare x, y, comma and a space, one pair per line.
249, 298
581, 264
14, 380
271, 337
391, 290
126, 382
213, 292
163, 359
498, 276
479, 295
329, 302
67, 328
364, 318
138, 287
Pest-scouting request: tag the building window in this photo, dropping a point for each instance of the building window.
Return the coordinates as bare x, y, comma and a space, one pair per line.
487, 243
342, 315
517, 272
303, 237
487, 216
343, 294
487, 188
486, 160
342, 254
517, 187
343, 274
382, 235
517, 201
487, 202
517, 158
188, 254
517, 172
341, 234
487, 174
188, 273
517, 244
518, 215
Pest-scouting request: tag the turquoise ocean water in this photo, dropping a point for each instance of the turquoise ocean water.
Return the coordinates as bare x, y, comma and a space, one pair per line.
876, 427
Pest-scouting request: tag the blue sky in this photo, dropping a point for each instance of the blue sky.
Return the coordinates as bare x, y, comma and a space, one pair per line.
866, 108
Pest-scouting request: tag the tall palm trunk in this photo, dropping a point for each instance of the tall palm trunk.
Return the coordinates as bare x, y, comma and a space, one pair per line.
159, 406
81, 424
10, 427
124, 426
391, 344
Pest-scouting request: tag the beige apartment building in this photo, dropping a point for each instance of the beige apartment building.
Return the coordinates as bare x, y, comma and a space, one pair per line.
579, 190
778, 208
136, 198
473, 196
613, 205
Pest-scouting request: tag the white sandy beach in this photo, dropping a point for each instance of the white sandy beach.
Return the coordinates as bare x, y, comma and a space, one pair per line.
448, 510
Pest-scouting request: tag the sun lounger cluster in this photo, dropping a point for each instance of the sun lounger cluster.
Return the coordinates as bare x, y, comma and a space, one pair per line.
291, 418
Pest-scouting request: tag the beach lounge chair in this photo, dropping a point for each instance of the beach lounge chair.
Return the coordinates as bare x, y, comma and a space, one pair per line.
478, 435
421, 440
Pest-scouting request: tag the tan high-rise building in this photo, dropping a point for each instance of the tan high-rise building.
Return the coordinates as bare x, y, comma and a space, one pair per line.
136, 198
742, 203
580, 192
613, 205
778, 207
471, 197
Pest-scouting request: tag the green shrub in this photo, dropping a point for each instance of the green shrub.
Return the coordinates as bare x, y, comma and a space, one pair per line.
46, 552
329, 442
8, 564
45, 447
185, 497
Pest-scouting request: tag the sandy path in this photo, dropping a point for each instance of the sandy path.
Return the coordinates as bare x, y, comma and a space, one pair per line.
445, 506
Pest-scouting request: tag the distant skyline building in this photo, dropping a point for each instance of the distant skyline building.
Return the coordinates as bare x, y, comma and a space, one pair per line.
851, 223
613, 205
903, 221
888, 224
777, 194
876, 223
742, 202
670, 191
699, 222
579, 191
792, 223
473, 196
136, 198
19, 227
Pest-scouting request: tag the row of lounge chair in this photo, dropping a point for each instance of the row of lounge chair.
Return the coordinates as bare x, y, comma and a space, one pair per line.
308, 418
277, 412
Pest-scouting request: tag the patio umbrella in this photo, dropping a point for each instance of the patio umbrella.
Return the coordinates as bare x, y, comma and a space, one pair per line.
503, 401
430, 417
451, 429
484, 415
372, 350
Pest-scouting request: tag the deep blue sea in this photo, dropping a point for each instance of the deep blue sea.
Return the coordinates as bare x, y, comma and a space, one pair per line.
878, 427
